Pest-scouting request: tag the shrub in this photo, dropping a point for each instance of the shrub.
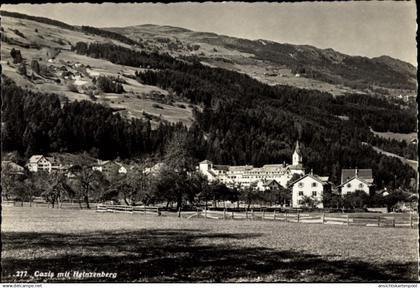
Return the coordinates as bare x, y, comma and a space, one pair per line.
107, 85
72, 87
22, 69
157, 106
17, 57
35, 66
20, 34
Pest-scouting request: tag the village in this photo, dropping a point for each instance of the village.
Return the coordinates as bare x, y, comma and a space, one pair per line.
303, 190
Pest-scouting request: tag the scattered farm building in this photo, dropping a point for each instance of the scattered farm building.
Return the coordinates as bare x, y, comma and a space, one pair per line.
356, 179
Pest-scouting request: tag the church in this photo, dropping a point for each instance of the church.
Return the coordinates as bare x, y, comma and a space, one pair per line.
245, 175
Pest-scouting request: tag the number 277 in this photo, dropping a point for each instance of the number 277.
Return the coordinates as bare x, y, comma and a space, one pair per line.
21, 273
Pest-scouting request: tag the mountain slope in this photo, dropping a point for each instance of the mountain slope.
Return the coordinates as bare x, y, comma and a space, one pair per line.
303, 66
48, 43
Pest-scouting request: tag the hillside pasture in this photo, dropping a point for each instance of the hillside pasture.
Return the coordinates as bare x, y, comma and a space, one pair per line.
407, 137
168, 249
134, 101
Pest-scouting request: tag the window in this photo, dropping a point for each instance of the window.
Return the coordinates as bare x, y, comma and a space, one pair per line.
349, 185
300, 202
314, 184
300, 193
300, 184
313, 193
361, 185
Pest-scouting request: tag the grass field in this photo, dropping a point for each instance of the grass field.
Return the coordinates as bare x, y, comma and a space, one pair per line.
166, 249
407, 137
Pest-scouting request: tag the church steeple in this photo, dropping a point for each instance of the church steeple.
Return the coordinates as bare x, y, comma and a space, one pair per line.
297, 155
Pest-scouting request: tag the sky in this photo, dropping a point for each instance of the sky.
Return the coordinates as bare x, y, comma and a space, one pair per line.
356, 27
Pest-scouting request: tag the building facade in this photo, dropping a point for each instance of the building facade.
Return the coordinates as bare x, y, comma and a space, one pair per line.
245, 175
109, 167
40, 163
356, 179
312, 186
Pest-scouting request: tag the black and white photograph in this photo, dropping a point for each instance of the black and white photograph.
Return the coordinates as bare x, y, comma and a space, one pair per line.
209, 142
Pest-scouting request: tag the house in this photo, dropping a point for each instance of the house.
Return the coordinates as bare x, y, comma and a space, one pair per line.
245, 175
356, 179
109, 167
264, 185
312, 186
12, 168
39, 163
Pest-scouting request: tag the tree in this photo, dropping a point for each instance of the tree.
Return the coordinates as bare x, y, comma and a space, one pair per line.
250, 194
8, 182
16, 55
309, 202
134, 186
395, 196
53, 187
35, 66
177, 154
89, 183
357, 199
332, 200
174, 181
22, 69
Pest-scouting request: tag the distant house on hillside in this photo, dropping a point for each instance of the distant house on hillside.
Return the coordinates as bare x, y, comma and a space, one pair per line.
39, 163
312, 186
12, 168
109, 167
356, 179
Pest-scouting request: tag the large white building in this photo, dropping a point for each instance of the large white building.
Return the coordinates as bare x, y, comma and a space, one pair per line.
247, 174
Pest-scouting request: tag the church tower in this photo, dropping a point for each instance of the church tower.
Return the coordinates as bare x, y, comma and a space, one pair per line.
297, 155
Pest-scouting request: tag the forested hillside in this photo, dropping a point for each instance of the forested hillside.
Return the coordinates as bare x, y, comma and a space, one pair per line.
237, 119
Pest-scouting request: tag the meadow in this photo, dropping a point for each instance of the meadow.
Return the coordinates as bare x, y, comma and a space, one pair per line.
168, 249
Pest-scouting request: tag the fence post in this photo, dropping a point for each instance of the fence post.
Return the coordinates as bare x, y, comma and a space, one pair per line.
348, 221
252, 214
205, 213
232, 214
179, 212
263, 215
274, 216
157, 211
379, 221
144, 210
246, 213
224, 213
298, 217
393, 221
411, 220
285, 217
323, 217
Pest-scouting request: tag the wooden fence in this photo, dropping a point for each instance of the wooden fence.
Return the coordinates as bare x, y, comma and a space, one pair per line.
348, 219
374, 220
144, 210
61, 205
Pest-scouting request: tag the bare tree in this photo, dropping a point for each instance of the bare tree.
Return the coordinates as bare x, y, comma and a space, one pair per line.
89, 183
